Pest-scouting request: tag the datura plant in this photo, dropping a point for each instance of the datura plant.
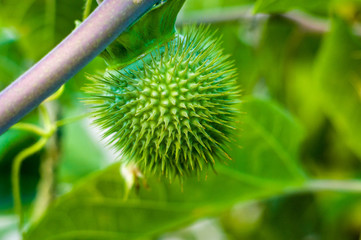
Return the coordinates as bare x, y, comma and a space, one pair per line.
172, 110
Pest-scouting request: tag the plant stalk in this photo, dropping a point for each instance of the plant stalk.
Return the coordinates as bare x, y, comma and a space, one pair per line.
325, 185
350, 186
306, 22
102, 27
87, 9
47, 183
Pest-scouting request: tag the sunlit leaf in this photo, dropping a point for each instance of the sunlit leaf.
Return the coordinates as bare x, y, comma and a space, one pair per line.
276, 6
338, 72
11, 143
12, 58
96, 209
81, 155
269, 142
154, 28
213, 4
276, 38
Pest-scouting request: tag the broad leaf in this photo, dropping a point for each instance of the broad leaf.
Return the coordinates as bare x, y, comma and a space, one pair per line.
275, 47
97, 209
314, 6
11, 143
12, 58
81, 155
151, 30
276, 6
269, 141
338, 72
213, 4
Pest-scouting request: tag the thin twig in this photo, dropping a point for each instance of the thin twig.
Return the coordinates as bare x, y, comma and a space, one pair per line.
70, 120
325, 185
48, 111
306, 21
245, 13
16, 175
30, 128
219, 15
47, 184
87, 9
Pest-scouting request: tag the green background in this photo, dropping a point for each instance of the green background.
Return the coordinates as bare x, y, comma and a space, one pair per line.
299, 65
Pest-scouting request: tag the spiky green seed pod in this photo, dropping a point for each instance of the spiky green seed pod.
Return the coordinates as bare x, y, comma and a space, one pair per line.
172, 110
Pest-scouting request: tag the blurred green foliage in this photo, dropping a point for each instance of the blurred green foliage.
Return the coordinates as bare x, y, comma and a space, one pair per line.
338, 73
163, 205
301, 116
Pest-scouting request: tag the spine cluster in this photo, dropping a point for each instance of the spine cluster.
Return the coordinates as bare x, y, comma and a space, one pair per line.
172, 110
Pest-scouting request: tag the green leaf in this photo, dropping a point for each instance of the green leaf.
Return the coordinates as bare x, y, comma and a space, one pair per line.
153, 29
240, 51
96, 208
277, 6
314, 6
269, 143
11, 140
275, 47
214, 4
302, 94
11, 143
338, 74
12, 61
81, 155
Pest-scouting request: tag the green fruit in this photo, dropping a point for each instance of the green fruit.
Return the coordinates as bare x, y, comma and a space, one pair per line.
172, 110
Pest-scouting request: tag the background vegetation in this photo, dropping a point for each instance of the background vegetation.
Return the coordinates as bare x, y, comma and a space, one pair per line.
299, 65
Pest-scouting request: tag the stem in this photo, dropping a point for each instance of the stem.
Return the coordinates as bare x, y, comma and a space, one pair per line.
306, 21
103, 26
69, 120
334, 185
56, 95
45, 116
87, 9
325, 185
30, 128
16, 176
47, 184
